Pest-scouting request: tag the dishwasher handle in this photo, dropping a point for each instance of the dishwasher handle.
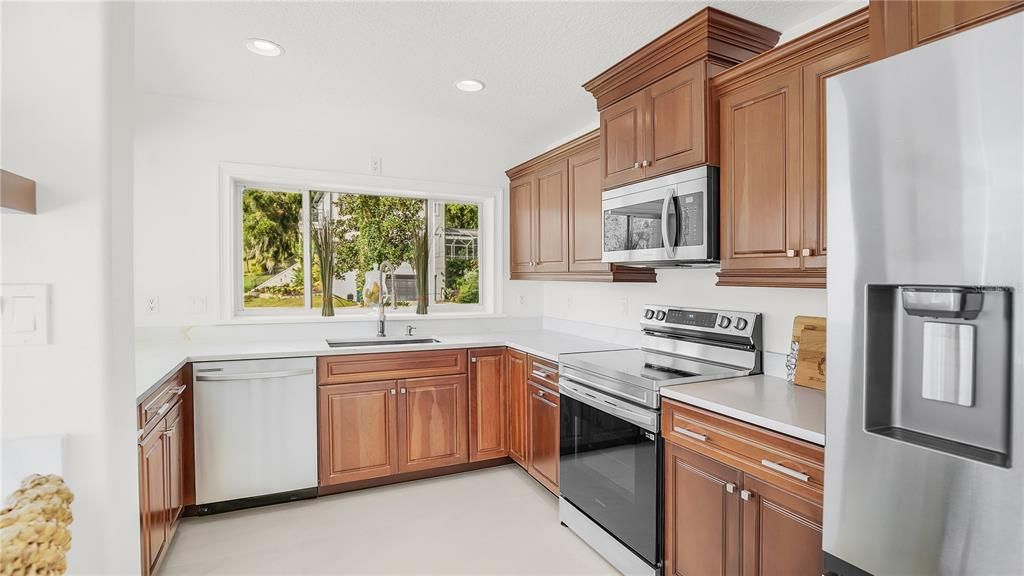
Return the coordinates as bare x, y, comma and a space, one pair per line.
252, 375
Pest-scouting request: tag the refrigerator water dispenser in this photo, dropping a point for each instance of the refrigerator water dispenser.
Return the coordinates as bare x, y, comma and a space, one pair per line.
937, 371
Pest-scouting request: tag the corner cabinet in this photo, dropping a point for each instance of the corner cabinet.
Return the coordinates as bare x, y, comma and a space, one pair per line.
899, 25
555, 218
772, 154
657, 116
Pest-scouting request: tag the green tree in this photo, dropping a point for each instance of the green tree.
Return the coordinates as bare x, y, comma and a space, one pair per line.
465, 216
271, 235
375, 229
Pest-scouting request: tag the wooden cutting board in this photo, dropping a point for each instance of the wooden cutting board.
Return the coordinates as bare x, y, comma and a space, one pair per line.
809, 331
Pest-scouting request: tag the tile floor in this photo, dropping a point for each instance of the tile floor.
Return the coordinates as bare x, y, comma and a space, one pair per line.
492, 521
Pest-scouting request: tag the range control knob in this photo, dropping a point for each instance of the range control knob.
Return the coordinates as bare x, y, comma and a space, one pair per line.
724, 321
648, 314
741, 323
661, 315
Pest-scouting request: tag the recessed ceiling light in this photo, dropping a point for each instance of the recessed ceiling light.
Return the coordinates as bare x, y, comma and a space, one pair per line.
263, 47
469, 85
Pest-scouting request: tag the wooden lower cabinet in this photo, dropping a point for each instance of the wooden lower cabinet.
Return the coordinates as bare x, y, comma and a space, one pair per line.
721, 520
488, 404
517, 375
174, 437
358, 431
153, 498
543, 435
432, 423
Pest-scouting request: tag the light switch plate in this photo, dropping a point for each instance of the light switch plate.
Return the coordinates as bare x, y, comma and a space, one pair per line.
25, 311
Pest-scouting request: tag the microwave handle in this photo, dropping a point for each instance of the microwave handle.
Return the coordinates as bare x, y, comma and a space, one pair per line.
670, 246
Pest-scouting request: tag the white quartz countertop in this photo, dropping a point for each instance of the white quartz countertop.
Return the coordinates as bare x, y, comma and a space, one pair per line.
154, 362
766, 401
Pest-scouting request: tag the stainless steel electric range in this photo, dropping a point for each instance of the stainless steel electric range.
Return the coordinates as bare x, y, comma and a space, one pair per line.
610, 471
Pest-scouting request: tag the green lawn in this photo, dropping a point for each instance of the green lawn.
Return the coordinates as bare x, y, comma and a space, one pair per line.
292, 302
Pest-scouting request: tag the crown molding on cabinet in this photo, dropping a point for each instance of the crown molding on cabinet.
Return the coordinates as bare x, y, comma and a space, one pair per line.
17, 193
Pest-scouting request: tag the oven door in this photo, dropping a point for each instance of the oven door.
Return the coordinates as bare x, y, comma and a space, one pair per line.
610, 466
664, 223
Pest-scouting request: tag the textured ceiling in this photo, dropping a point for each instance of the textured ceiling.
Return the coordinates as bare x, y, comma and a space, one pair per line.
386, 56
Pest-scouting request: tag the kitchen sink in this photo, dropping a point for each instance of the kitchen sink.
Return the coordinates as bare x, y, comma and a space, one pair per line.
386, 341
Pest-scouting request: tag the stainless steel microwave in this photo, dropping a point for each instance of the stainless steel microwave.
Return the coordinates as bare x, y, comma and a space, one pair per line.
671, 220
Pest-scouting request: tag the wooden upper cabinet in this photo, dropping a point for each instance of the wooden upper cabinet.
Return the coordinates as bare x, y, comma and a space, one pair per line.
702, 528
522, 209
655, 107
772, 153
781, 531
433, 423
555, 216
552, 242
760, 127
488, 404
585, 214
899, 25
516, 375
676, 121
622, 141
358, 431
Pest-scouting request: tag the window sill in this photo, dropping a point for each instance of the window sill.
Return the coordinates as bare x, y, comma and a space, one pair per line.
255, 319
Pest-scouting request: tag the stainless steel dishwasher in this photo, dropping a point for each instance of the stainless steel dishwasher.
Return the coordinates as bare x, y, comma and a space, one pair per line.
255, 432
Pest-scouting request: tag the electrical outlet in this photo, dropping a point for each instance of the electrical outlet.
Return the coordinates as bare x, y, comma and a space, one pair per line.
624, 306
152, 304
375, 168
522, 300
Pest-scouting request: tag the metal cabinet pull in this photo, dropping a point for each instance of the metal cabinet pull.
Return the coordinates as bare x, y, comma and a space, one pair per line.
645, 164
541, 375
790, 253
690, 434
730, 487
403, 390
163, 409
546, 401
807, 252
392, 391
169, 433
473, 360
636, 165
787, 471
746, 495
179, 390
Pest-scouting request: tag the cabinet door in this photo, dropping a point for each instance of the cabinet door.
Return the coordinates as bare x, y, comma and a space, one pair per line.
153, 497
702, 529
175, 435
760, 174
814, 246
522, 213
933, 20
622, 141
585, 215
551, 243
358, 431
488, 404
542, 449
517, 406
433, 427
781, 531
676, 121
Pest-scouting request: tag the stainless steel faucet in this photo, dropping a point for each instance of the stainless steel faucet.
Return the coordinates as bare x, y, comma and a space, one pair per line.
381, 317
408, 329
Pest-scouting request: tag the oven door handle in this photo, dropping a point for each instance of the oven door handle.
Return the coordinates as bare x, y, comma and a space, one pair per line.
646, 420
669, 243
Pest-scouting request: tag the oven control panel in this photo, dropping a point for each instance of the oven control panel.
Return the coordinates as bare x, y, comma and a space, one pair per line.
713, 322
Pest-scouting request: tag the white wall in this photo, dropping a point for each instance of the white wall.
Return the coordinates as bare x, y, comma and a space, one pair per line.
836, 12
65, 80
180, 142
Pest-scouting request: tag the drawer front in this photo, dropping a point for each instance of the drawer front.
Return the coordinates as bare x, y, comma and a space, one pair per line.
160, 402
543, 372
391, 366
794, 464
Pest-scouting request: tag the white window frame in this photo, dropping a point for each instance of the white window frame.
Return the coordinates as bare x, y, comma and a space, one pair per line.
234, 178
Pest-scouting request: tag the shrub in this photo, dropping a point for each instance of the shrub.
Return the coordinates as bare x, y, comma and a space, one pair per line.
469, 288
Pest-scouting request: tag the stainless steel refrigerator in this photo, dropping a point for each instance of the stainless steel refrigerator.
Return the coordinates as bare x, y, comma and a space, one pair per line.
924, 455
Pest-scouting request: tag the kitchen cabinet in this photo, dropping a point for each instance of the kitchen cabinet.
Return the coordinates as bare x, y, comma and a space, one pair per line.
358, 431
899, 25
656, 111
433, 423
542, 443
488, 404
517, 394
772, 154
555, 218
166, 479
739, 499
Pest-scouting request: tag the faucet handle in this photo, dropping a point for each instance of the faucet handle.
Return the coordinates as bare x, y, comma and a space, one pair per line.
408, 329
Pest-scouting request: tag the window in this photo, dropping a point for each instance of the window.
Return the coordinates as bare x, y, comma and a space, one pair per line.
298, 247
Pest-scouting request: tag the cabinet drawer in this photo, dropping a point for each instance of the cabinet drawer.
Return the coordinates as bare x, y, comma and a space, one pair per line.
543, 372
391, 366
160, 402
792, 463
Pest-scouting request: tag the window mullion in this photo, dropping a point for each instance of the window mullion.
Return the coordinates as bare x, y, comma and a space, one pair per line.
307, 260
